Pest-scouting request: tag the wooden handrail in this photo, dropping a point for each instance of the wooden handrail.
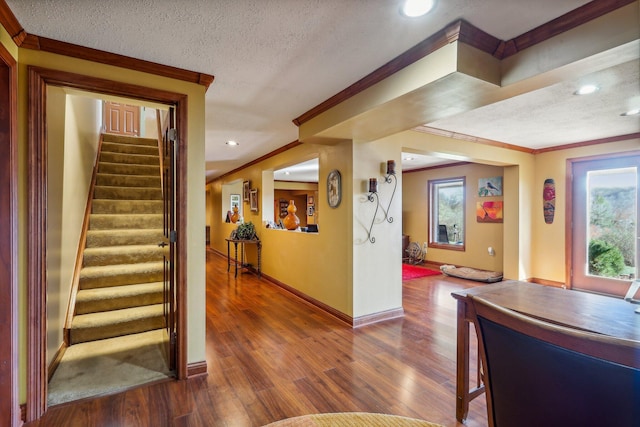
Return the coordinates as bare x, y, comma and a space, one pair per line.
160, 154
81, 247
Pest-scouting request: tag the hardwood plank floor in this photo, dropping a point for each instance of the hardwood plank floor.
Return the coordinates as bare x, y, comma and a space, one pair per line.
270, 356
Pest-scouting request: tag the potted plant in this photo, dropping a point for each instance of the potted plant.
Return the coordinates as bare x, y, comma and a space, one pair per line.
246, 231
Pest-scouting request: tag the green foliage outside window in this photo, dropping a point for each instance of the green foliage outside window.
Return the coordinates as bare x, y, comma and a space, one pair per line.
612, 221
605, 259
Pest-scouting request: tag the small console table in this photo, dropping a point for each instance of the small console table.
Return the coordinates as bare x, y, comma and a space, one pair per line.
241, 262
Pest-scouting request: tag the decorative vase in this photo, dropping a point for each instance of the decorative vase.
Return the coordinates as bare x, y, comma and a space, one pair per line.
235, 215
291, 221
549, 200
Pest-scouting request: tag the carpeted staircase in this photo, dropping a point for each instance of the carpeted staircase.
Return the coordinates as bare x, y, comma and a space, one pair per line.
120, 285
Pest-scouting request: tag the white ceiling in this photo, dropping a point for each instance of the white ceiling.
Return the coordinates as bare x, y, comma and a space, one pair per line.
273, 60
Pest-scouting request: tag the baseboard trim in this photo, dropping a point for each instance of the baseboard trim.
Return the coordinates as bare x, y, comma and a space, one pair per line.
57, 358
378, 317
548, 283
311, 301
197, 369
352, 322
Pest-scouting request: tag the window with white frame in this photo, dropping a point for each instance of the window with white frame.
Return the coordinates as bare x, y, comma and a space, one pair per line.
446, 213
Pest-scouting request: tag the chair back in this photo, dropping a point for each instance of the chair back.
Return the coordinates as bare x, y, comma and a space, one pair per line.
541, 374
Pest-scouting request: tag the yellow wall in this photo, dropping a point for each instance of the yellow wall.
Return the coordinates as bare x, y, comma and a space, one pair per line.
478, 236
518, 180
377, 266
195, 179
316, 264
548, 243
531, 249
73, 132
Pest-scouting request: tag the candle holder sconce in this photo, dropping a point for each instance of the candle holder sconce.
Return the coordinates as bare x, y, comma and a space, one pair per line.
388, 178
373, 197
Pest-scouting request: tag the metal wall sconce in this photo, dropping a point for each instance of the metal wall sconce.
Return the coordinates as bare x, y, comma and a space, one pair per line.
373, 195
391, 173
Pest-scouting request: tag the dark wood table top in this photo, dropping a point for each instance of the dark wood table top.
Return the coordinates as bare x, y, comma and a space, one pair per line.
576, 309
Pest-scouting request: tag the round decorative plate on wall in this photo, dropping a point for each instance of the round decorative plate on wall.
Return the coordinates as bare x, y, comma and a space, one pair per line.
334, 188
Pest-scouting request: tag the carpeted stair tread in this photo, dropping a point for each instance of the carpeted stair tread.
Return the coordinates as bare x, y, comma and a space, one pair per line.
96, 238
130, 254
127, 193
117, 180
121, 274
123, 139
114, 147
120, 289
130, 159
106, 206
124, 221
108, 324
118, 297
127, 169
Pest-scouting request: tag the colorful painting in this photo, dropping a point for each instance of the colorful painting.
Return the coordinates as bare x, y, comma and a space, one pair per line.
489, 212
488, 187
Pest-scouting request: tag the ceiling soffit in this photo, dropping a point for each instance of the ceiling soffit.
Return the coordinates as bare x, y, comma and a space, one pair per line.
459, 69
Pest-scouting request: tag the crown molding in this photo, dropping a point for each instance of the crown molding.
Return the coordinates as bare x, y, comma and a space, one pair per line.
29, 41
465, 32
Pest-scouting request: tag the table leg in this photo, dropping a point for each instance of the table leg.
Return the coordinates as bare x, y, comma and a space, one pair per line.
259, 261
462, 364
235, 256
228, 257
242, 263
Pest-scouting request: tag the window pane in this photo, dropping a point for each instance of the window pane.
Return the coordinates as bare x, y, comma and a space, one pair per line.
611, 223
446, 214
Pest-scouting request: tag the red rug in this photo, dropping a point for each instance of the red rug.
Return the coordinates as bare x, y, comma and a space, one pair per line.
413, 272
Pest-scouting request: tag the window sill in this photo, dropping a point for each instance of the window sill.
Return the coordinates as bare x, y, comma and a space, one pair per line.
448, 246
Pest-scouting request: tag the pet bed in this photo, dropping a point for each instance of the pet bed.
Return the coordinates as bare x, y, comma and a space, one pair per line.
471, 273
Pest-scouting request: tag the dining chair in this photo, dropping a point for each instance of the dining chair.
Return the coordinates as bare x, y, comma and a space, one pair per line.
542, 374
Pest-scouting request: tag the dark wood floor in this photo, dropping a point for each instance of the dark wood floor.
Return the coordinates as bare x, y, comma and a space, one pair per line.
272, 356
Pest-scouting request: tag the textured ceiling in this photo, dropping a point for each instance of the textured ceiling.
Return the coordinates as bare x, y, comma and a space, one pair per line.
275, 59
526, 120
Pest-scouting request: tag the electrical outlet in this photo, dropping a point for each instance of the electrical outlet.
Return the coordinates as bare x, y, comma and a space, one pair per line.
424, 247
491, 251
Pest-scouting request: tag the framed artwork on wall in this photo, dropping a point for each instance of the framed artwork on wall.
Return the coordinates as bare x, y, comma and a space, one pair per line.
245, 190
253, 199
235, 201
488, 187
283, 207
489, 211
334, 188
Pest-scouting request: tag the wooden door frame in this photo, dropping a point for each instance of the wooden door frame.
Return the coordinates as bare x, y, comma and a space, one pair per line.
9, 394
39, 78
568, 226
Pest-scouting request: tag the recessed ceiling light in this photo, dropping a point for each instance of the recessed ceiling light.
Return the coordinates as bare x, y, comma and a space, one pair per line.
408, 158
634, 112
415, 8
586, 90
287, 173
232, 143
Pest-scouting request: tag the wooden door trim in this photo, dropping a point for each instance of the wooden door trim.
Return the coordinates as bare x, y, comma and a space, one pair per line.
9, 392
568, 225
39, 78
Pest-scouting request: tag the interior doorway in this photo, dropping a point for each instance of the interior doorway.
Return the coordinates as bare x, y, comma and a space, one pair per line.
39, 80
9, 409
